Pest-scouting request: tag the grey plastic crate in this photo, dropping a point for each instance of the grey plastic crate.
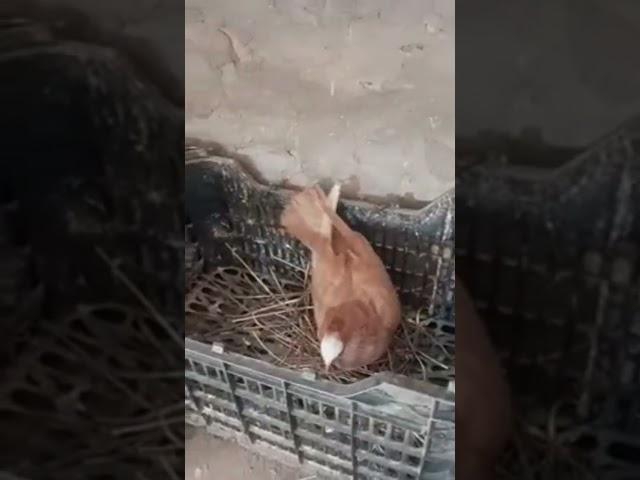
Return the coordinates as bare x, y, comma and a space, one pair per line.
386, 426
383, 427
552, 261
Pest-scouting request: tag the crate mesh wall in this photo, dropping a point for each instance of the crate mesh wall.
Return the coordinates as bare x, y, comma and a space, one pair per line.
554, 266
228, 207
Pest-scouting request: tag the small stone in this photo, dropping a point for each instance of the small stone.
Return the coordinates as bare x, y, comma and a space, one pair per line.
308, 374
434, 23
435, 121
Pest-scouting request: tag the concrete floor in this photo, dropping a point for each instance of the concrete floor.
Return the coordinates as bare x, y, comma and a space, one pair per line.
208, 458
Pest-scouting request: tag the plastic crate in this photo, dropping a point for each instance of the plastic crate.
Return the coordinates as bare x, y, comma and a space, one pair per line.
553, 263
387, 426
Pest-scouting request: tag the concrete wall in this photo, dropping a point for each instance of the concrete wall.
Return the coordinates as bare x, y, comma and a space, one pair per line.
358, 91
364, 88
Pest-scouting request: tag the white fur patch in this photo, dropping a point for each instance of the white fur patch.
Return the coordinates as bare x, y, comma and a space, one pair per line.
334, 196
330, 347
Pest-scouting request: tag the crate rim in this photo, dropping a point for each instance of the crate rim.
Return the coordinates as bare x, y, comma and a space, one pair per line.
422, 208
198, 349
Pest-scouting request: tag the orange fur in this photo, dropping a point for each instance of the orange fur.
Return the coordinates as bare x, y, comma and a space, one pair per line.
352, 293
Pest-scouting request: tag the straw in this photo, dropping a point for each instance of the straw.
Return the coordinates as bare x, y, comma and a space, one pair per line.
271, 317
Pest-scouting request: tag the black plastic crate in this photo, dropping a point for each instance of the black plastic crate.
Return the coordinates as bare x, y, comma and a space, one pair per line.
552, 262
387, 426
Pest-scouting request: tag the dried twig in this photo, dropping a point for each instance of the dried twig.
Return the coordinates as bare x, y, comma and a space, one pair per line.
140, 296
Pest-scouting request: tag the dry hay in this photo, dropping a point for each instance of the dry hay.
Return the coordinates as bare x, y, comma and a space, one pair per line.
270, 318
96, 390
546, 444
542, 454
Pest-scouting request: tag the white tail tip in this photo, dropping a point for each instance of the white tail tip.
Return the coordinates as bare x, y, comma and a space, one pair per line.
330, 347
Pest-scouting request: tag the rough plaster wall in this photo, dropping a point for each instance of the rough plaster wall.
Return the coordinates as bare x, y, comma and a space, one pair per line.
310, 89
568, 56
348, 89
